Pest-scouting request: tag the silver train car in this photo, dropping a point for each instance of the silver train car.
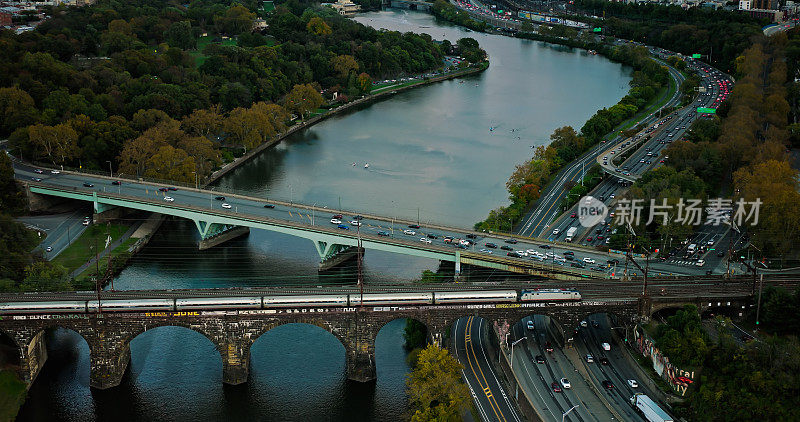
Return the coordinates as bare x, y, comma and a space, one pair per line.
288, 301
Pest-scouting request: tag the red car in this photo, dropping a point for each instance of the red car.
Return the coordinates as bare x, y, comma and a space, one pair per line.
556, 387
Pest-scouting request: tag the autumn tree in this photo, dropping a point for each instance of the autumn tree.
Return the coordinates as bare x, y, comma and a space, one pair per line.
236, 20
58, 143
344, 64
435, 389
317, 26
364, 83
171, 163
17, 109
203, 122
302, 99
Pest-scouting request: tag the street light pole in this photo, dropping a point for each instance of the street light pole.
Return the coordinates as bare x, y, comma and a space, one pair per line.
564, 415
512, 350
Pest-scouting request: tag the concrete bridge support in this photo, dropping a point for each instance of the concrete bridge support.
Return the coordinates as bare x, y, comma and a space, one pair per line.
332, 255
212, 234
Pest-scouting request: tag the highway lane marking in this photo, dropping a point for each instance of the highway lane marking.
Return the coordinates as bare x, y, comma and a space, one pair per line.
464, 374
508, 403
492, 403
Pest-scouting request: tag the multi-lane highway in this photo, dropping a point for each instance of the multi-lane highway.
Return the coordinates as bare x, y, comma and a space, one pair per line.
490, 398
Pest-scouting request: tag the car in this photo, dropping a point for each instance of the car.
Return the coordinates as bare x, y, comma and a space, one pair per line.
471, 236
88, 185
54, 172
530, 325
424, 240
569, 253
491, 245
606, 346
545, 246
584, 324
486, 251
409, 232
539, 359
589, 359
513, 254
511, 241
169, 199
608, 384
589, 239
556, 388
412, 226
219, 198
700, 262
162, 189
548, 347
573, 215
86, 222
116, 183
337, 216
556, 232
38, 171
49, 249
595, 324
633, 383
172, 188
433, 236
36, 179
356, 223
565, 383
506, 248
270, 206
226, 205
383, 233
336, 221
588, 260
343, 226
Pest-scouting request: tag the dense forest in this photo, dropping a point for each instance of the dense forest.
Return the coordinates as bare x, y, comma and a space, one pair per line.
171, 90
720, 34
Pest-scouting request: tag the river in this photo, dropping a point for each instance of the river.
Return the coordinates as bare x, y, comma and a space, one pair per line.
431, 154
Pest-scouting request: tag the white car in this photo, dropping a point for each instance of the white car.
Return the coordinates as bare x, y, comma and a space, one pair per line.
355, 223
588, 260
589, 359
522, 253
584, 324
409, 232
556, 232
530, 325
54, 172
565, 383
171, 199
424, 240
336, 221
633, 383
489, 251
701, 262
226, 206
606, 346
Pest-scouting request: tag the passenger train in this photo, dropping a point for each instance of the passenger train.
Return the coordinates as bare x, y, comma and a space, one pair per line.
288, 301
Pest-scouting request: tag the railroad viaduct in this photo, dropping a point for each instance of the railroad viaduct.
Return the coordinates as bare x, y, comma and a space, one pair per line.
108, 335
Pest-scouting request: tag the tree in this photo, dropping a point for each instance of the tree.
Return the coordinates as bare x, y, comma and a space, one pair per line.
180, 35
435, 389
45, 276
302, 99
204, 122
17, 109
318, 27
236, 20
171, 164
57, 143
344, 64
414, 333
364, 83
12, 199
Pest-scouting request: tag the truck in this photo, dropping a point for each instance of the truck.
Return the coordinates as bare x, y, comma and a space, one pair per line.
649, 409
570, 234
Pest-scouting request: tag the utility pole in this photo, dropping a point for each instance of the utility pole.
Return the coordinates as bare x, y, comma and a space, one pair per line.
758, 308
360, 275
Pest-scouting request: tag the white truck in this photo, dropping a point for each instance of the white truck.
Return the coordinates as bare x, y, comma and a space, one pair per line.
570, 234
649, 409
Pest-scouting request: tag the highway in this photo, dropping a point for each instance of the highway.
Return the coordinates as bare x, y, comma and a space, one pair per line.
61, 230
490, 399
538, 378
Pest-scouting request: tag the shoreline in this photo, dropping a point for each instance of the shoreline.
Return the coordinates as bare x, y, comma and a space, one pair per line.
215, 176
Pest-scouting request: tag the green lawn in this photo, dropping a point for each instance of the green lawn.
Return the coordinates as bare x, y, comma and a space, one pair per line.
12, 394
203, 42
82, 249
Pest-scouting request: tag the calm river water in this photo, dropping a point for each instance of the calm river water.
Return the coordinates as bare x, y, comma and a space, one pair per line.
430, 152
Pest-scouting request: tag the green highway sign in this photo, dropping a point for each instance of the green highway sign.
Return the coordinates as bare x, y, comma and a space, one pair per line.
706, 110
697, 56
598, 29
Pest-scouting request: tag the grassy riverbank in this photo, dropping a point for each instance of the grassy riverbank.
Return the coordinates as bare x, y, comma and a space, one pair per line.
12, 395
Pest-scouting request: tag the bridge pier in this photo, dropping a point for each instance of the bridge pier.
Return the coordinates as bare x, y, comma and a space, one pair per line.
235, 362
358, 336
332, 255
108, 366
32, 358
213, 234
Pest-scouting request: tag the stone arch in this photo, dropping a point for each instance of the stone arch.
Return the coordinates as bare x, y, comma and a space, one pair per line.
11, 354
269, 328
383, 324
35, 351
552, 326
